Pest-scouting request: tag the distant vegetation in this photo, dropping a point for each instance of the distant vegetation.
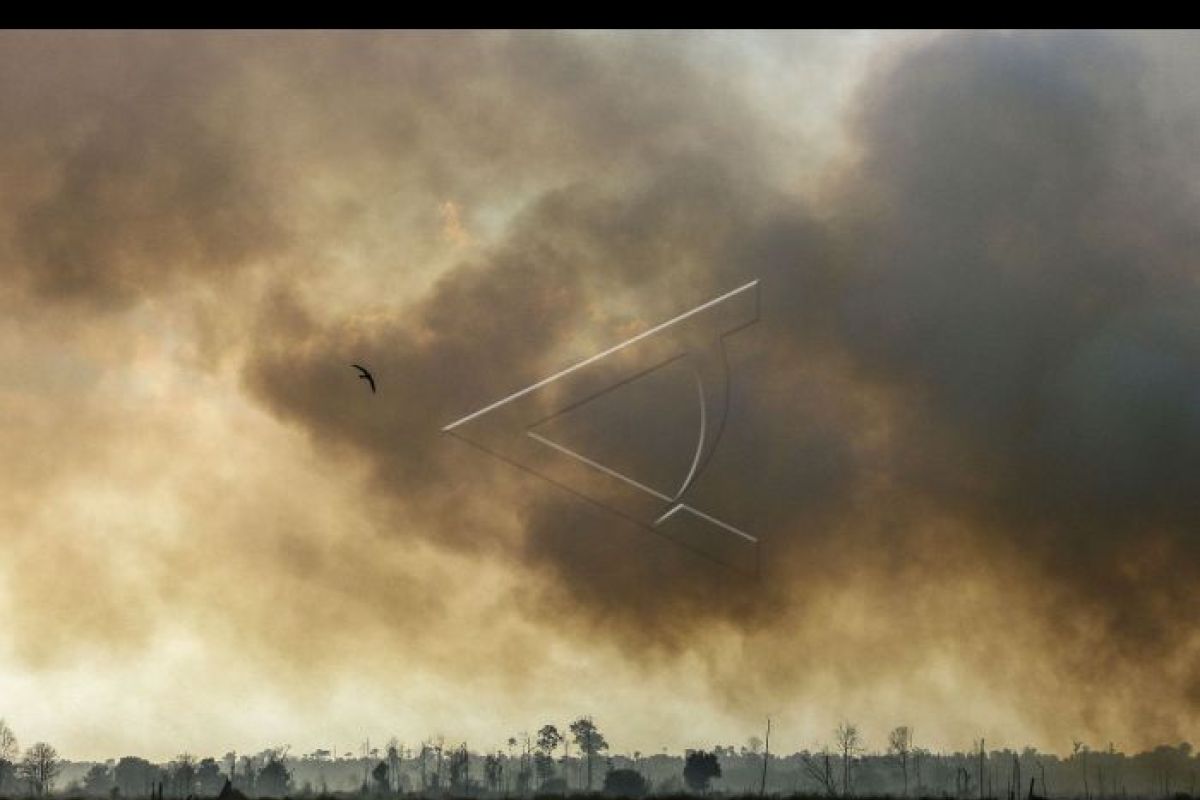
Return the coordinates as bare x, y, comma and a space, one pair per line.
577, 760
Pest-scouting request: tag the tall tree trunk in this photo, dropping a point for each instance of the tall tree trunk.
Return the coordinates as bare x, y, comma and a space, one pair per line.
981, 769
589, 760
845, 772
762, 789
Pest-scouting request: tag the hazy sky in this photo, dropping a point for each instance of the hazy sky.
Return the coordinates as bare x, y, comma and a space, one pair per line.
966, 427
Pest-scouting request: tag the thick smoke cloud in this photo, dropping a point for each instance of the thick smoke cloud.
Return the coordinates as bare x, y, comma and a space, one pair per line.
964, 427
123, 173
986, 328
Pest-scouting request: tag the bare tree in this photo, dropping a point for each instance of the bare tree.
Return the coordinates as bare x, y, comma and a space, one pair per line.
394, 757
762, 789
39, 768
820, 772
850, 744
981, 769
512, 743
8, 743
899, 745
8, 754
525, 765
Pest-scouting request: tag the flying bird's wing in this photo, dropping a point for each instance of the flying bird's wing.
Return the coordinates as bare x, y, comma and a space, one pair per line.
365, 374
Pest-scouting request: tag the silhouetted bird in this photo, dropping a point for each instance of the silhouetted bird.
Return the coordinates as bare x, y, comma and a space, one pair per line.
365, 374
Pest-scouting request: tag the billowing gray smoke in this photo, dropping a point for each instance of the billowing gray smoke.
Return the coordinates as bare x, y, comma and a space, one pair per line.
966, 427
988, 320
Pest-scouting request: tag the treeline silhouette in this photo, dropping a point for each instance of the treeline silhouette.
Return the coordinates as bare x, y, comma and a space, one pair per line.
578, 760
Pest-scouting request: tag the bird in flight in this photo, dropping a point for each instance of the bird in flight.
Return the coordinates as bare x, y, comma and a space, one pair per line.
365, 374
